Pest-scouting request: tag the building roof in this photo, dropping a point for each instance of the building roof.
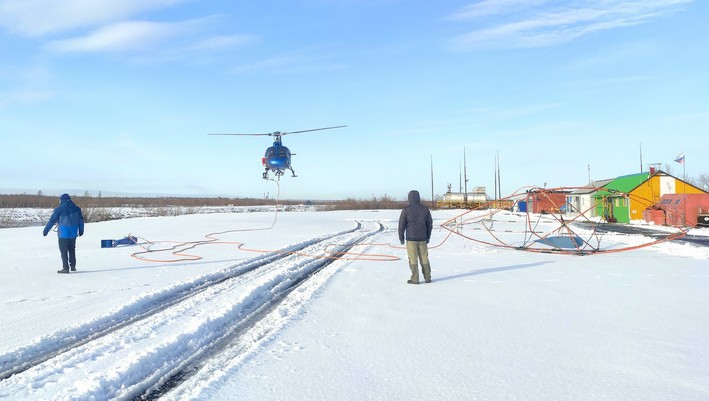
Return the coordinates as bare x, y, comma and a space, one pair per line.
592, 187
625, 183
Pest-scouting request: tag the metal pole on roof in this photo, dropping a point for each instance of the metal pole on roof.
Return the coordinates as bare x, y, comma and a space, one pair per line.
684, 185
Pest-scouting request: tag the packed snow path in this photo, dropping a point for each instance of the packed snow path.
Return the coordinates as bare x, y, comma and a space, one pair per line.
192, 330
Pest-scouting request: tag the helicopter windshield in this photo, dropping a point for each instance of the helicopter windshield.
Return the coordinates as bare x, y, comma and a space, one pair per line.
280, 152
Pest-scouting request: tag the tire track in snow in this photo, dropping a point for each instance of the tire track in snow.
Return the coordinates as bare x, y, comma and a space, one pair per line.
140, 308
195, 378
23, 358
131, 355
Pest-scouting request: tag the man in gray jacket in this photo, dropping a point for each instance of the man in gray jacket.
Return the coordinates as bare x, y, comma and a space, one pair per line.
416, 222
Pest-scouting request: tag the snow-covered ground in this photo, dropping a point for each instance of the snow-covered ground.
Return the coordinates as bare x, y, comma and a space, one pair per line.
260, 309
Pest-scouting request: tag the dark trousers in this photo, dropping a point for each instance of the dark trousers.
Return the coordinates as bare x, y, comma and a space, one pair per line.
67, 247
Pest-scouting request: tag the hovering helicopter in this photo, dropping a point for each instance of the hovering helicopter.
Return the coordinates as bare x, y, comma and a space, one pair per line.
278, 157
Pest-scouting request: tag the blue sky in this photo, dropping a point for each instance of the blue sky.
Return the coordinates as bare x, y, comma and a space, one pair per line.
119, 95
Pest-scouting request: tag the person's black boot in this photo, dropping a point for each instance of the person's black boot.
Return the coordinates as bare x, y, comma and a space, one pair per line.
64, 270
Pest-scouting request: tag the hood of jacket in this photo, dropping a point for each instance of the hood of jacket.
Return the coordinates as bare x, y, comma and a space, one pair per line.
414, 197
66, 203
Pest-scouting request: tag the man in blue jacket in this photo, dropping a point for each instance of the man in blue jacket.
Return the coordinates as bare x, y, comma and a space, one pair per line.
415, 225
70, 223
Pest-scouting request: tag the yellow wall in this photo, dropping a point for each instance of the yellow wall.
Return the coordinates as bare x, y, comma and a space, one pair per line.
648, 193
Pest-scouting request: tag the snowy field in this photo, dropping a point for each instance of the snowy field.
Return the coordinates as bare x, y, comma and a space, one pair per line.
256, 306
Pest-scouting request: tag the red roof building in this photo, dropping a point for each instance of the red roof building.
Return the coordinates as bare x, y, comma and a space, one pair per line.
546, 201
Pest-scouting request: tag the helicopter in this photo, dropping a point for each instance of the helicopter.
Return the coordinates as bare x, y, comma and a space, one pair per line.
277, 158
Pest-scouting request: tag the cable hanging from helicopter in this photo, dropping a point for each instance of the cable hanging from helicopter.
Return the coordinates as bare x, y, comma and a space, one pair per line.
277, 158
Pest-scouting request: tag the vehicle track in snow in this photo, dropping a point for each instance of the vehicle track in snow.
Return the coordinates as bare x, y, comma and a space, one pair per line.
150, 346
236, 345
26, 357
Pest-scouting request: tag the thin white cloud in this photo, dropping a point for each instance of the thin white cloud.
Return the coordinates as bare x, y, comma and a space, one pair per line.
42, 17
494, 7
223, 41
120, 37
27, 96
289, 63
197, 50
273, 63
546, 26
584, 88
115, 26
31, 86
516, 112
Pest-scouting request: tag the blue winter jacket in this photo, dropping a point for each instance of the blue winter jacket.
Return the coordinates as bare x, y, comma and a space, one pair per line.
68, 218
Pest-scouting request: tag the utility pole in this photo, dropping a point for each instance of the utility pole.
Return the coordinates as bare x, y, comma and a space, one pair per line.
465, 179
494, 180
499, 184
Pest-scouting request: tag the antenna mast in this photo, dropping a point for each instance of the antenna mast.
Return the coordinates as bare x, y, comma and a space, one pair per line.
465, 179
499, 184
433, 201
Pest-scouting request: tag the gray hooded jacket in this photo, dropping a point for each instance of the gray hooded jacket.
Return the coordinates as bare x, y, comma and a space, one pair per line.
415, 220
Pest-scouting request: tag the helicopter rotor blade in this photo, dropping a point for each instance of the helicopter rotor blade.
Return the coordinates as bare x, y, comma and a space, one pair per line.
280, 133
309, 130
240, 134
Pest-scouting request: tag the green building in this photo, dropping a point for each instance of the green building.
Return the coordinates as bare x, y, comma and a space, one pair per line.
611, 201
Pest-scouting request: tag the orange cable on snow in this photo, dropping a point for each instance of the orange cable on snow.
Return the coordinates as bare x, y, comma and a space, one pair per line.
211, 239
241, 246
179, 248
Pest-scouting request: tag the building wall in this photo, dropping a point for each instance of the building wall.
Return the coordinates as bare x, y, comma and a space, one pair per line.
649, 193
681, 209
582, 204
610, 203
546, 202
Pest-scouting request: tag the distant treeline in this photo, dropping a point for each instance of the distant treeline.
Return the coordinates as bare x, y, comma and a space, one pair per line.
43, 201
40, 200
384, 202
